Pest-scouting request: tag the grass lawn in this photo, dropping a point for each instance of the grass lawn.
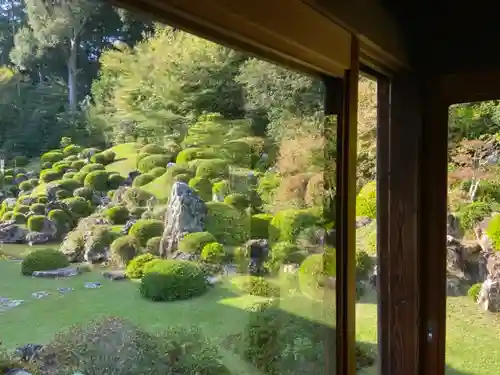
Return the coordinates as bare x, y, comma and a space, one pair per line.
126, 156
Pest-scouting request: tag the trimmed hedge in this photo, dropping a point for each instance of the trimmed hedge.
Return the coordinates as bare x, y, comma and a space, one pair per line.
259, 225
142, 180
84, 192
194, 242
213, 252
78, 206
124, 249
97, 180
153, 245
117, 214
238, 200
52, 157
366, 201
202, 187
228, 225
287, 225
35, 223
43, 260
315, 269
152, 161
212, 168
135, 268
145, 229
49, 175
170, 280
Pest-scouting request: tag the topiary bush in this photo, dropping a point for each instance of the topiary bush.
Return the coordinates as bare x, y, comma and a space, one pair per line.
35, 223
7, 216
80, 177
152, 149
97, 180
169, 280
213, 252
189, 154
474, 291
52, 157
38, 208
43, 260
259, 225
136, 197
259, 286
63, 221
70, 185
284, 253
153, 245
124, 249
46, 165
142, 180
146, 229
150, 162
84, 192
228, 225
315, 269
158, 171
19, 217
194, 242
49, 175
221, 188
87, 168
72, 150
115, 181
26, 185
287, 224
366, 201
493, 231
69, 175
117, 214
77, 164
212, 168
21, 161
135, 268
202, 187
61, 166
8, 180
238, 200
104, 158
473, 213
78, 206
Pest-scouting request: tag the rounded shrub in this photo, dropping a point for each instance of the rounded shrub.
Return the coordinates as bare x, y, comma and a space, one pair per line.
80, 177
315, 269
195, 242
152, 149
137, 212
202, 187
46, 165
284, 253
135, 268
146, 229
158, 171
9, 172
366, 201
238, 200
124, 249
287, 224
259, 286
117, 214
61, 218
213, 252
364, 265
38, 208
7, 216
71, 158
62, 194
42, 199
153, 245
212, 168
70, 185
189, 154
52, 157
26, 186
72, 150
259, 225
493, 231
84, 192
35, 223
221, 188
229, 225
474, 291
142, 180
21, 161
61, 166
97, 180
115, 180
77, 164
69, 175
136, 197
19, 217
22, 208
78, 206
170, 280
152, 161
49, 175
473, 213
43, 260
8, 180
87, 168
182, 178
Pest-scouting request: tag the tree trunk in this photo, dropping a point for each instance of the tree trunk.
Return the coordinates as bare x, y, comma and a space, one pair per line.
72, 71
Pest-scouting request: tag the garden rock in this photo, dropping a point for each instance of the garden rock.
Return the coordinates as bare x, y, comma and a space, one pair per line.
10, 202
489, 296
17, 371
93, 251
453, 227
60, 272
11, 233
119, 194
8, 303
363, 222
64, 290
40, 295
115, 275
186, 213
37, 238
92, 285
180, 255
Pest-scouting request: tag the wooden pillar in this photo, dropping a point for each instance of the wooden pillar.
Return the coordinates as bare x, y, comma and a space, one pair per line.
399, 140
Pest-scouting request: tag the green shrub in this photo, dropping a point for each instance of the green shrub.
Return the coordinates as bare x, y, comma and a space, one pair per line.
137, 212
42, 199
213, 252
52, 157
152, 161
87, 168
221, 188
287, 225
267, 187
97, 180
69, 175
49, 175
38, 208
182, 178
212, 168
62, 194
84, 192
366, 201
26, 186
158, 171
61, 218
135, 268
124, 249
259, 225
364, 265
22, 208
194, 242
474, 291
70, 185
152, 149
61, 166
315, 269
136, 197
7, 216
284, 253
21, 161
71, 158
202, 187
99, 158
258, 286
35, 223
72, 150
115, 181
473, 213
43, 260
117, 214
46, 165
80, 177
78, 206
8, 180
142, 180
153, 245
189, 154
228, 225
493, 231
77, 164
238, 200
169, 280
19, 217
146, 229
